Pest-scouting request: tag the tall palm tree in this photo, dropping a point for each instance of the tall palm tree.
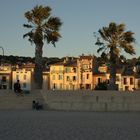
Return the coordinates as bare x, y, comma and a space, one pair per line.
43, 28
111, 41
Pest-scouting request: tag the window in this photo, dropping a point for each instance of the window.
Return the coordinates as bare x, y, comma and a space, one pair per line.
124, 81
138, 83
74, 69
4, 86
74, 78
60, 77
54, 86
99, 80
3, 78
67, 69
126, 88
87, 76
68, 78
131, 81
24, 77
85, 66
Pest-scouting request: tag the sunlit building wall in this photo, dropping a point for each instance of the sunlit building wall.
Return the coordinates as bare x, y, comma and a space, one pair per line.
57, 76
25, 78
5, 77
85, 65
46, 80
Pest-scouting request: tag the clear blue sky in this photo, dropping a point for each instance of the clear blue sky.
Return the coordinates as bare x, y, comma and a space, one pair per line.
80, 19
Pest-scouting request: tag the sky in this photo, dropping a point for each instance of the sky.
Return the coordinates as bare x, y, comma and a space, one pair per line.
80, 19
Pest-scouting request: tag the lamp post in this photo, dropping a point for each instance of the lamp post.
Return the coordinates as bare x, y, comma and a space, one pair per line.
2, 52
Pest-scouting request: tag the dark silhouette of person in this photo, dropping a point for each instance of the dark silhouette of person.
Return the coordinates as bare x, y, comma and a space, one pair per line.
36, 105
17, 87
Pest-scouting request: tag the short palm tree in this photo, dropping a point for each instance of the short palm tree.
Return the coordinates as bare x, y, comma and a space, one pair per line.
43, 28
111, 41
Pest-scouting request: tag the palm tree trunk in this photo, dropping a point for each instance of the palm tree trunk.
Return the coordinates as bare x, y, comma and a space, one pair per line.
113, 57
38, 78
112, 84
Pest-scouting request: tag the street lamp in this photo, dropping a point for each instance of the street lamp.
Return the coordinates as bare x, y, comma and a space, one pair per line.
2, 51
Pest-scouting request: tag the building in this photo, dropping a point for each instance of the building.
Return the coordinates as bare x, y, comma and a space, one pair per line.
128, 79
46, 80
98, 78
24, 76
85, 65
70, 75
57, 76
5, 77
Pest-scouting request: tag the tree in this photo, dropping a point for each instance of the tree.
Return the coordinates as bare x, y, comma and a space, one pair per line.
101, 86
43, 28
111, 41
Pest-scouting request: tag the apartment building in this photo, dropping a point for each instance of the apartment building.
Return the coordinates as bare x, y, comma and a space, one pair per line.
70, 75
24, 76
5, 77
57, 76
85, 65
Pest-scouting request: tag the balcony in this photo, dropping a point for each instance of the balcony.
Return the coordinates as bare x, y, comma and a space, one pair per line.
56, 71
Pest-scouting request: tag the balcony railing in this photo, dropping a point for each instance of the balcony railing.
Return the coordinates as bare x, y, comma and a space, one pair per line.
57, 71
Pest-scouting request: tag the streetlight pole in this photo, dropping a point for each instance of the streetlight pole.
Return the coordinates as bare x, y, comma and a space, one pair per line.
2, 51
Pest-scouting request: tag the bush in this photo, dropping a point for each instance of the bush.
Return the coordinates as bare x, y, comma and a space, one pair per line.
101, 86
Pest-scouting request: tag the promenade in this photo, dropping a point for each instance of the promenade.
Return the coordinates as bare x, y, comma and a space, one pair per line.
55, 125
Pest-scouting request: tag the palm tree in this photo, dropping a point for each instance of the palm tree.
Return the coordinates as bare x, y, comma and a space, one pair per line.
111, 41
43, 28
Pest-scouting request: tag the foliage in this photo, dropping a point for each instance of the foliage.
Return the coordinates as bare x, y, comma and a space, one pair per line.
43, 27
101, 86
111, 41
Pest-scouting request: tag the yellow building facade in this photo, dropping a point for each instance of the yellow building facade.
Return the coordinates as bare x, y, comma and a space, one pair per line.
72, 74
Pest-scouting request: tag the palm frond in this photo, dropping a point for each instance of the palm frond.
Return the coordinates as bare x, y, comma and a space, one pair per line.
128, 36
54, 23
120, 28
100, 49
27, 26
29, 16
44, 26
98, 42
112, 28
101, 32
52, 37
129, 49
29, 34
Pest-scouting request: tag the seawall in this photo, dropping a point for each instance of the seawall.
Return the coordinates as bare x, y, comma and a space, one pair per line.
88, 100
78, 100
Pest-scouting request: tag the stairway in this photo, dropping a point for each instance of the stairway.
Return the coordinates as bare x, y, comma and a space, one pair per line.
10, 101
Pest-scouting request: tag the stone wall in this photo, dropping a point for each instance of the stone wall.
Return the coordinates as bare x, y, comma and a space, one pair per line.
90, 100
79, 100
